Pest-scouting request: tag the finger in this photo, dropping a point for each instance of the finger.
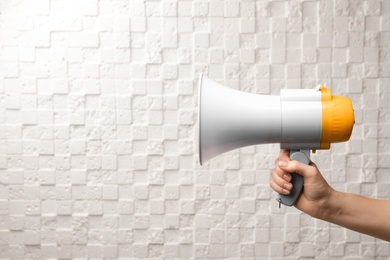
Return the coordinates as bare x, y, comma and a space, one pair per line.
282, 181
284, 155
295, 166
280, 173
278, 188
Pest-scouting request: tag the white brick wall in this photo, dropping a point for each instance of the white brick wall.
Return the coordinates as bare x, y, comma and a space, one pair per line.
98, 153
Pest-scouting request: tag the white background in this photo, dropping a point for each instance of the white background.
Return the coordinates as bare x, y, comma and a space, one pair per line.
98, 149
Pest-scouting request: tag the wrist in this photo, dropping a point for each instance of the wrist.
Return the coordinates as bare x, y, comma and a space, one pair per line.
330, 206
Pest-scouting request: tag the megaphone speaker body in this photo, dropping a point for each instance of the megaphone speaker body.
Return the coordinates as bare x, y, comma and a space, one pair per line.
298, 119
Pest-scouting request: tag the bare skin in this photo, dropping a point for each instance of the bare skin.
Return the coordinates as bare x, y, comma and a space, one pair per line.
319, 200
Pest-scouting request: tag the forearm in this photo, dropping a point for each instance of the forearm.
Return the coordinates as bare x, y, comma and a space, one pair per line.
358, 213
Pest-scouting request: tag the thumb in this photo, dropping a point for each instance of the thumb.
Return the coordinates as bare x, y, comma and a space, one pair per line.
295, 167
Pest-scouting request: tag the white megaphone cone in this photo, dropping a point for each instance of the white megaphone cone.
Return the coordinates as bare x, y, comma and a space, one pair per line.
231, 119
299, 119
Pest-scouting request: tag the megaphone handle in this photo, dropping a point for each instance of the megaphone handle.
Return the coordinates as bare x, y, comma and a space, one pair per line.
297, 180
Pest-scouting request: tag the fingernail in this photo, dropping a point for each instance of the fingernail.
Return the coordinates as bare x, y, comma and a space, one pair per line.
286, 191
286, 177
282, 163
287, 186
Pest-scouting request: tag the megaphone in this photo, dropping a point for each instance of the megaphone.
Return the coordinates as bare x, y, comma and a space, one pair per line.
299, 119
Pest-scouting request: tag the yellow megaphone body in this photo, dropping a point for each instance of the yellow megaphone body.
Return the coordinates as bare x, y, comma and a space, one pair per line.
299, 119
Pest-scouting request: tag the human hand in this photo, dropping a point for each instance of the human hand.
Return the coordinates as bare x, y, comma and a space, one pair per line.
316, 192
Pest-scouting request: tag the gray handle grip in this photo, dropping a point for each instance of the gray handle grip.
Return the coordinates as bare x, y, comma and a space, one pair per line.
297, 180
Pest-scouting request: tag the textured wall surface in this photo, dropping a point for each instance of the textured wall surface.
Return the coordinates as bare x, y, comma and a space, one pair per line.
98, 149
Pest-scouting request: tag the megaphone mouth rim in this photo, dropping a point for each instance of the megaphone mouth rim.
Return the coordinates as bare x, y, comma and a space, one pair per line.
199, 118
